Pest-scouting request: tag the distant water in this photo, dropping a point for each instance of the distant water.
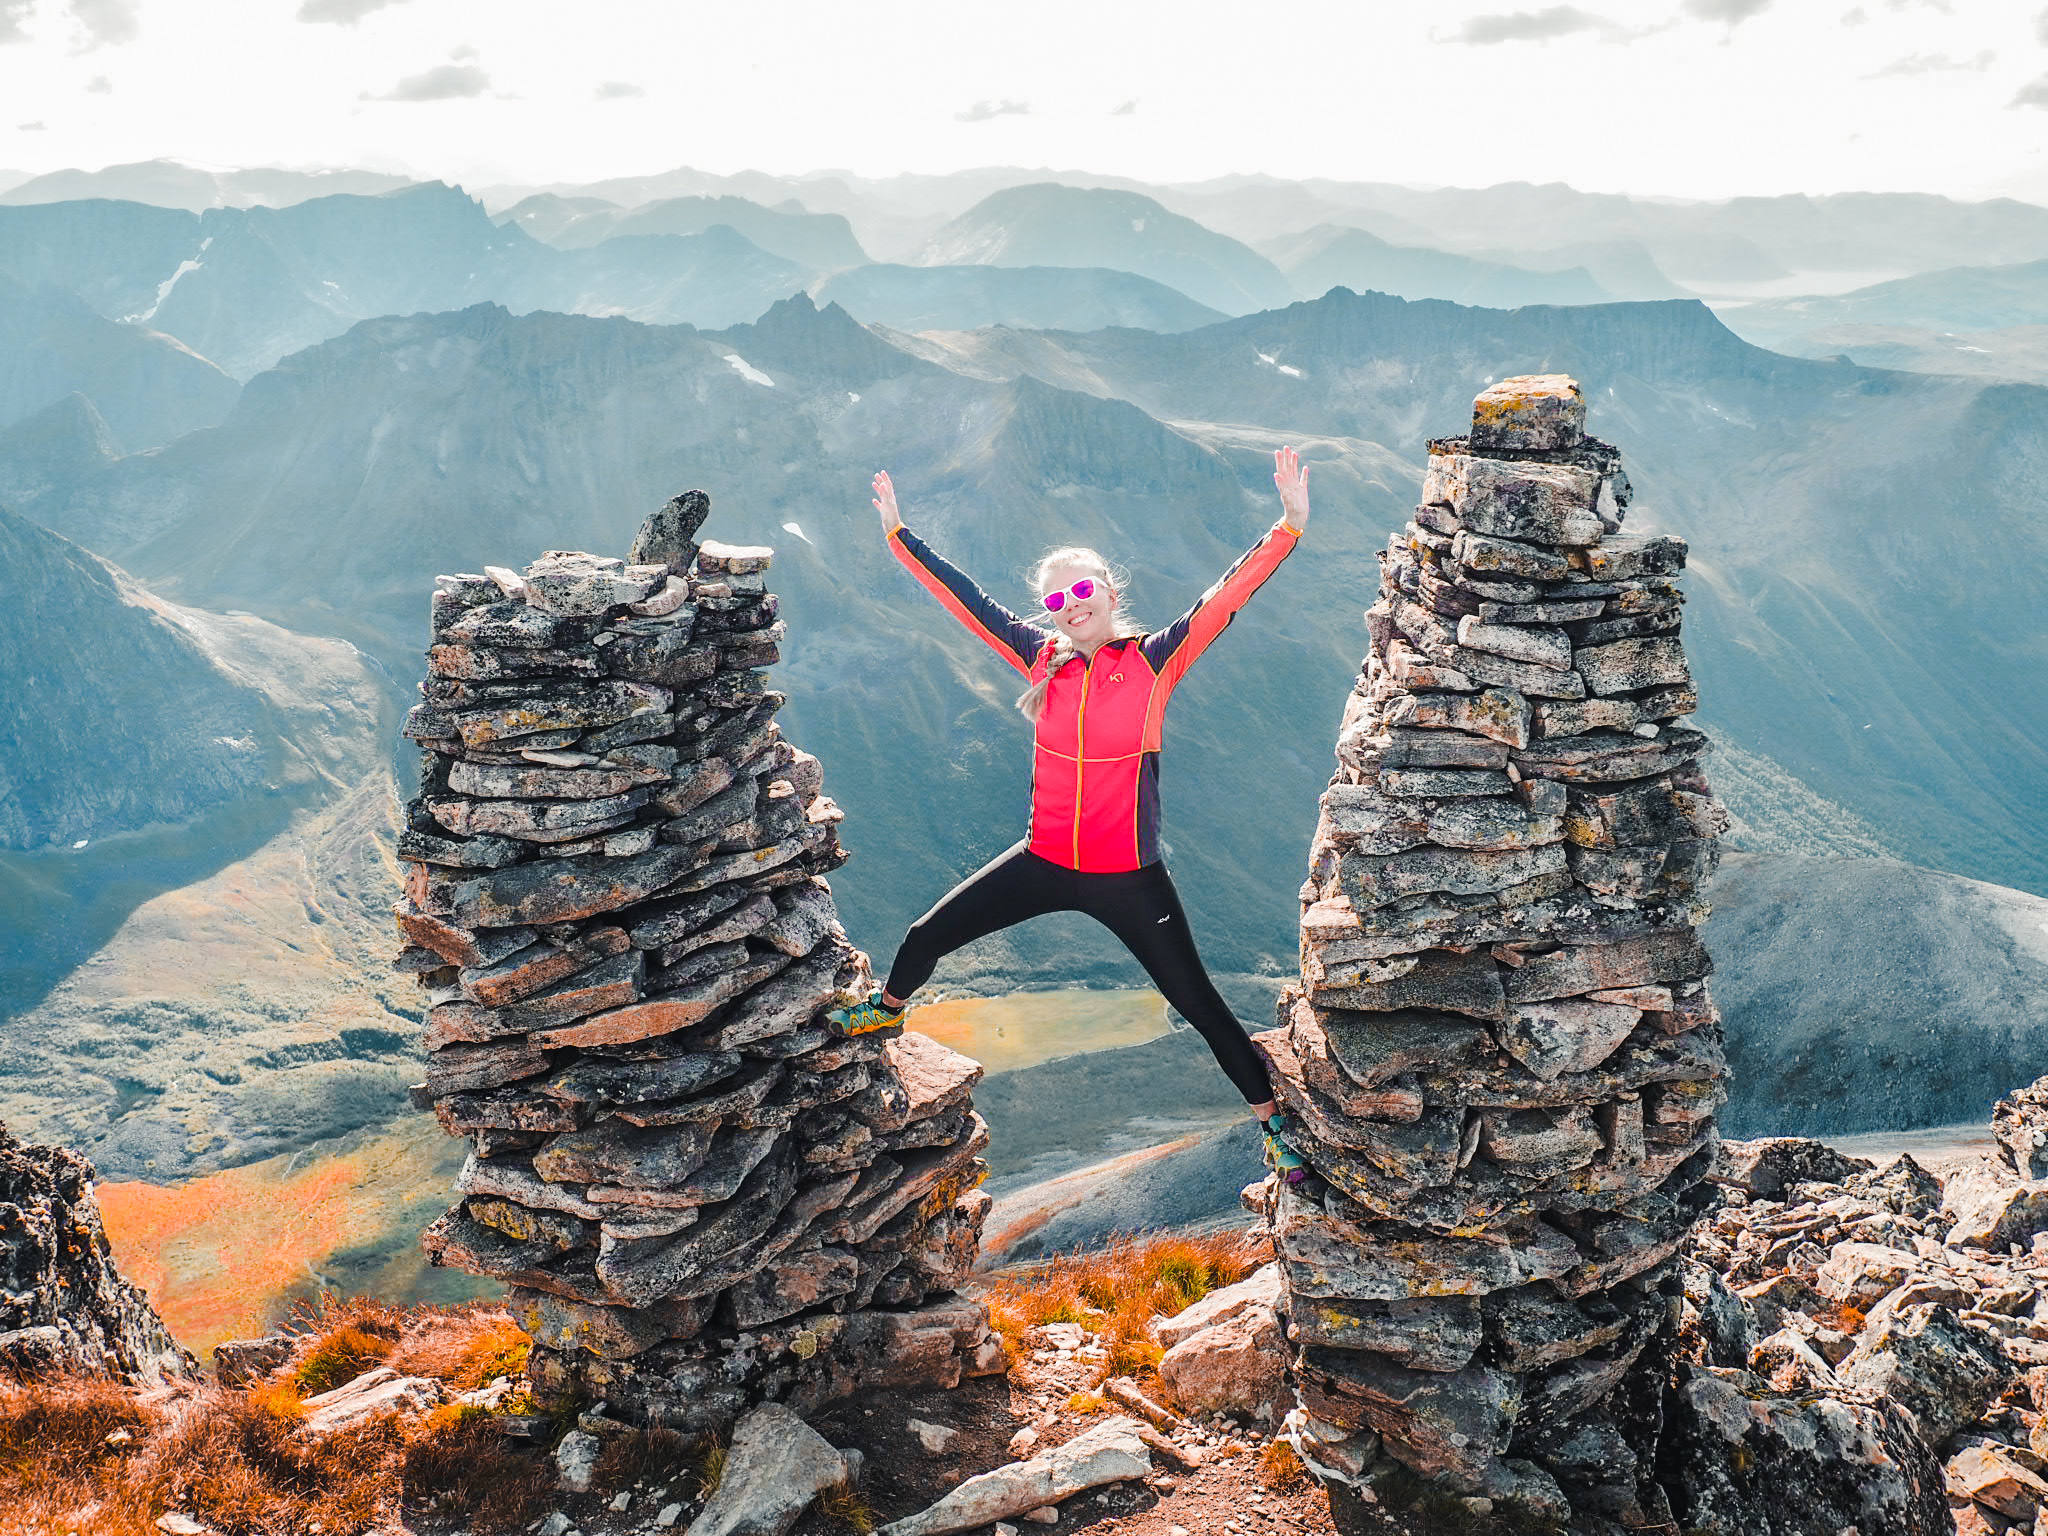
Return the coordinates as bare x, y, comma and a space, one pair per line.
1937, 1148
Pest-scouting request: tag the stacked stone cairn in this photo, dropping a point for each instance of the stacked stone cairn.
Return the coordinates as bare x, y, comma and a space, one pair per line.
1502, 1061
698, 1193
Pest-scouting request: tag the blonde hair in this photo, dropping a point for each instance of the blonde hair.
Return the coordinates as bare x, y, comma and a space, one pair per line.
1122, 626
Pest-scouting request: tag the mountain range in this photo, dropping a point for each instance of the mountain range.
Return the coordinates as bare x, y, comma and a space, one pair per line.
283, 421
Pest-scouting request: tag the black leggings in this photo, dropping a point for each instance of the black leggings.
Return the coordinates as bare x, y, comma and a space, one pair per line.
1139, 906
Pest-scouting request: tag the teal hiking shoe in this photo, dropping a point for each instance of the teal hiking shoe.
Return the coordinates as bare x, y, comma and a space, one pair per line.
1280, 1154
864, 1018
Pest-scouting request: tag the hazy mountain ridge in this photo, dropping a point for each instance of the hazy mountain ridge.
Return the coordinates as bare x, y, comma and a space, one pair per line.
343, 481
1049, 225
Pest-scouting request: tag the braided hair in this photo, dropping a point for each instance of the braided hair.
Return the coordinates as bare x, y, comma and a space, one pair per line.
1032, 700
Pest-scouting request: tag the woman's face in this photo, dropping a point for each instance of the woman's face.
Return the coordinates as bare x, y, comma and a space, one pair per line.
1085, 620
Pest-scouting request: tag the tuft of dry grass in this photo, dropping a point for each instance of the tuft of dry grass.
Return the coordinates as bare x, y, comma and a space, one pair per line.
643, 1456
467, 1347
842, 1503
92, 1455
457, 1466
709, 1464
1116, 1292
1280, 1468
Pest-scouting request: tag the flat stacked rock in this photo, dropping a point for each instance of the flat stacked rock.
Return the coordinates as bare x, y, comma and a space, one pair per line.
1502, 1062
699, 1194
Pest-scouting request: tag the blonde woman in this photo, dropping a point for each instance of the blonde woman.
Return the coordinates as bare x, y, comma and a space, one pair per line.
1098, 687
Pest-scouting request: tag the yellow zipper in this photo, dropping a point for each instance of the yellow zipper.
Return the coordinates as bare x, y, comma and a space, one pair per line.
1081, 751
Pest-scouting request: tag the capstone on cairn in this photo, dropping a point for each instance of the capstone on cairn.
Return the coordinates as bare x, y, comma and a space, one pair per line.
1502, 1060
699, 1194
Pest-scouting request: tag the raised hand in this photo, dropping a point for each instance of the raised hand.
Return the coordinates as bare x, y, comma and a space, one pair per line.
1290, 475
885, 503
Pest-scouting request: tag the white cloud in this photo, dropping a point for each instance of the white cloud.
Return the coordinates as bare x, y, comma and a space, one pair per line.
12, 14
1532, 26
2041, 28
982, 111
618, 90
1931, 63
100, 85
106, 22
1125, 110
444, 82
343, 13
1731, 13
2032, 94
31, 127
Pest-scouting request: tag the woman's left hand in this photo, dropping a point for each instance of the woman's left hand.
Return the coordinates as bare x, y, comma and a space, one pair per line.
1291, 476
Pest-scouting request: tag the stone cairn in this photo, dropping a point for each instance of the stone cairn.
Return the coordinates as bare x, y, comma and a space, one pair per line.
699, 1194
1502, 1060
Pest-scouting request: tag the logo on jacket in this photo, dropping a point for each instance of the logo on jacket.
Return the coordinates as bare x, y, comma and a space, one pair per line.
1116, 677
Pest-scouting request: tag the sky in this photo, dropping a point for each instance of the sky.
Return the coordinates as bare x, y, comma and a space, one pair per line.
1680, 98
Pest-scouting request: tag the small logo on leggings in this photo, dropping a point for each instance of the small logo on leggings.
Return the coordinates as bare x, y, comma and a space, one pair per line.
1167, 919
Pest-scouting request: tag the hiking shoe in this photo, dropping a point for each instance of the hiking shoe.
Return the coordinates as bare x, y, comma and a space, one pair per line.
865, 1018
1280, 1154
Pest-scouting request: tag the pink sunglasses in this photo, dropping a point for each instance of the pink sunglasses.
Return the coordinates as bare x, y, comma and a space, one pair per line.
1080, 591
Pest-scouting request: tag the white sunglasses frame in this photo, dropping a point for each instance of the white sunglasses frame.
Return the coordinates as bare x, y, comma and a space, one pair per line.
1064, 593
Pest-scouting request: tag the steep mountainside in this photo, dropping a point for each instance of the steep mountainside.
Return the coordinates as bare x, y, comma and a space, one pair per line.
1048, 225
149, 387
1328, 256
1024, 298
146, 745
1842, 520
1935, 998
1971, 298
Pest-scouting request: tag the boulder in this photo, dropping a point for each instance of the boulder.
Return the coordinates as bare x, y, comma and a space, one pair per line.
2019, 1121
375, 1394
1989, 1474
775, 1466
1770, 1165
1995, 1218
1927, 1361
1862, 1274
1736, 1463
1239, 1365
1261, 1288
1112, 1451
63, 1304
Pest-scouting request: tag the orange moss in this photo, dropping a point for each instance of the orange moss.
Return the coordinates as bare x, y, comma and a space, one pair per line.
90, 1455
1116, 1292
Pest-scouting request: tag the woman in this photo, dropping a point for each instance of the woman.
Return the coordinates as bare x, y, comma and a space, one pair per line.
1099, 687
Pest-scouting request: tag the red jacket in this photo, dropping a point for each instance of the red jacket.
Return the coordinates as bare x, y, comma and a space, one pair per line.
1095, 760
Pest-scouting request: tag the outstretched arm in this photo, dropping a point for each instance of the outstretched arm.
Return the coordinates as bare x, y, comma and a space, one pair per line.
1174, 649
996, 626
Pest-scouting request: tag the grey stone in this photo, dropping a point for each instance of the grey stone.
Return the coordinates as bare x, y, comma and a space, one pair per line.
668, 537
614, 1152
1500, 714
1492, 826
1529, 413
1450, 1425
1435, 1333
615, 1333
1538, 646
1744, 1462
1477, 552
578, 709
575, 1461
566, 889
1442, 749
1615, 559
505, 781
775, 1467
687, 1266
1540, 503
1371, 880
1626, 666
537, 821
571, 583
1455, 983
1112, 1451
794, 1284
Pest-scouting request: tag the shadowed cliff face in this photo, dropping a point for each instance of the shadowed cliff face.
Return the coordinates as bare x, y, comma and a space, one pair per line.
147, 745
1861, 545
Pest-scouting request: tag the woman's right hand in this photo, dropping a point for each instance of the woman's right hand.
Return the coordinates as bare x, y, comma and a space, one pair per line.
885, 503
